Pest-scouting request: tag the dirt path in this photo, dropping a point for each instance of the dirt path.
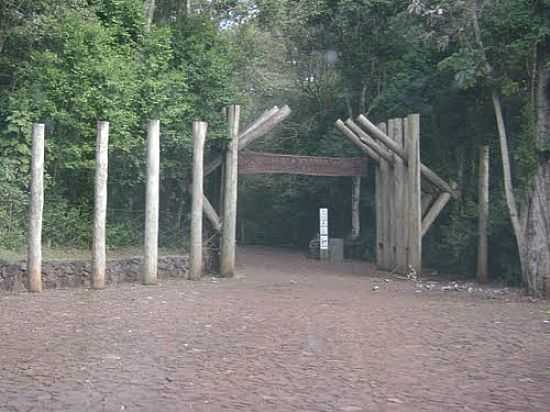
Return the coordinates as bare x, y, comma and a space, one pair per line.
289, 334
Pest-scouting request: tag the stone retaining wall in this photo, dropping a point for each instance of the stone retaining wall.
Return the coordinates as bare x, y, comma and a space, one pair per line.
69, 274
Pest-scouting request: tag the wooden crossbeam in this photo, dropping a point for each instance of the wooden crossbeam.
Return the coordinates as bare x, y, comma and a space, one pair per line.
272, 163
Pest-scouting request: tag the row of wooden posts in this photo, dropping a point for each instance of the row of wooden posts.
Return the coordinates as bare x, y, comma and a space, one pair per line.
34, 256
200, 203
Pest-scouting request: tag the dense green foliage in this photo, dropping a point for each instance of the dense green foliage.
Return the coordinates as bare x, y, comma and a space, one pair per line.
70, 63
93, 61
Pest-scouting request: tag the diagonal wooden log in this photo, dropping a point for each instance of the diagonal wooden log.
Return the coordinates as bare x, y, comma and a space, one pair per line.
427, 200
356, 140
263, 125
370, 142
263, 117
434, 211
390, 144
211, 214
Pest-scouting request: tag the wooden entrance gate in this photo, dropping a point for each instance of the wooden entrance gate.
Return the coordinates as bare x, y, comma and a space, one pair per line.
409, 195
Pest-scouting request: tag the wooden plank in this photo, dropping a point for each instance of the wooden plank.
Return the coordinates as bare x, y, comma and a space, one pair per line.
482, 256
353, 138
100, 205
34, 257
254, 163
150, 258
230, 197
434, 211
414, 258
195, 256
425, 170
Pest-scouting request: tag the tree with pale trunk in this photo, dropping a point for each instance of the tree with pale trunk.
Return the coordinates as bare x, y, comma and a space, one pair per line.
468, 25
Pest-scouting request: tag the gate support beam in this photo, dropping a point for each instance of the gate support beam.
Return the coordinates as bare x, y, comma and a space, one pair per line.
230, 197
434, 211
414, 253
199, 136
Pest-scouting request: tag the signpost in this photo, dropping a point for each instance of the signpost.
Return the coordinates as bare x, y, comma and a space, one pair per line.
323, 233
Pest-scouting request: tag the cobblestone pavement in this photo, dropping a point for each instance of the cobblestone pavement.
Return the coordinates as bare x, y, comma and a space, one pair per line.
287, 334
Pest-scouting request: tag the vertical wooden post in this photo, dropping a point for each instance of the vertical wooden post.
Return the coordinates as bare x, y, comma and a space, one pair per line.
405, 195
387, 182
383, 213
199, 136
399, 241
230, 197
378, 197
150, 257
34, 257
482, 258
355, 204
100, 210
414, 258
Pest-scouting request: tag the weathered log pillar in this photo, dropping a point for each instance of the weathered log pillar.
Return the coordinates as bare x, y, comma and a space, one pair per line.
414, 257
150, 258
199, 137
482, 257
100, 208
383, 209
230, 198
34, 257
355, 207
399, 212
405, 195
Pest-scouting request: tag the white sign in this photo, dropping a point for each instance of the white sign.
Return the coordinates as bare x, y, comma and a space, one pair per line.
323, 228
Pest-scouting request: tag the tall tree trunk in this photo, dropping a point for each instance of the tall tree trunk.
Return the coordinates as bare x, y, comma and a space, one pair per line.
519, 229
363, 99
537, 220
149, 12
